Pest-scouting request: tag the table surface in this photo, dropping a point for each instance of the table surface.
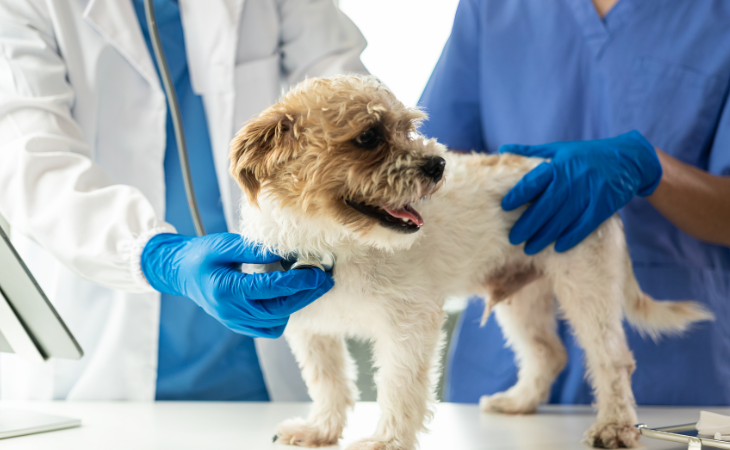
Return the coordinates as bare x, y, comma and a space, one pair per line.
250, 426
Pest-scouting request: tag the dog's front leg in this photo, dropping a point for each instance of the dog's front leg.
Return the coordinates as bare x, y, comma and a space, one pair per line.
406, 358
328, 372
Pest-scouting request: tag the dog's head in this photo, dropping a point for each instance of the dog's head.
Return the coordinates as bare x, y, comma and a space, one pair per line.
345, 150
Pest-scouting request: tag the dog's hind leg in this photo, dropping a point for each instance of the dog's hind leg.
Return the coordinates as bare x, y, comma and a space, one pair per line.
329, 372
590, 292
527, 319
406, 356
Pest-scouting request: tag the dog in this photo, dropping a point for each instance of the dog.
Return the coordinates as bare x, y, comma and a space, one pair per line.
338, 166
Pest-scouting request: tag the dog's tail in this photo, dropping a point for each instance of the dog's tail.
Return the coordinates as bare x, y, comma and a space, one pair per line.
657, 318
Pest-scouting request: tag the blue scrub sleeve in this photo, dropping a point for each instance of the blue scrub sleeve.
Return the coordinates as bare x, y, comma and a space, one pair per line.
719, 158
451, 97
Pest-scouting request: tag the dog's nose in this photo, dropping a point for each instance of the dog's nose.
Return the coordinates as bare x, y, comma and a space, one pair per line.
434, 168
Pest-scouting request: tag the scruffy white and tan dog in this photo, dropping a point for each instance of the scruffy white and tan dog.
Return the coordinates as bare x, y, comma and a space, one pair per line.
338, 166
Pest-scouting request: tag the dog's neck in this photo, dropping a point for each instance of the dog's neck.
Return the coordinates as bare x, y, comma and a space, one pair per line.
282, 231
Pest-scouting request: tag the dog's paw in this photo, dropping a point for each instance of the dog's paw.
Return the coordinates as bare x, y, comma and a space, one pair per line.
612, 435
376, 444
508, 403
304, 434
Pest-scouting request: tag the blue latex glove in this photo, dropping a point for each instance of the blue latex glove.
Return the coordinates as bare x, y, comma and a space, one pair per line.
584, 184
206, 270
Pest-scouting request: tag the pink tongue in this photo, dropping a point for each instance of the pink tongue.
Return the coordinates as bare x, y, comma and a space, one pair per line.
406, 212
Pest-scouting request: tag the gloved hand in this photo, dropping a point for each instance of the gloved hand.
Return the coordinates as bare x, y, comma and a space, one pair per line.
206, 270
584, 184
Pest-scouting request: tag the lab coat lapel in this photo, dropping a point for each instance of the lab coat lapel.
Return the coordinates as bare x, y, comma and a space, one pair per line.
116, 21
211, 32
211, 36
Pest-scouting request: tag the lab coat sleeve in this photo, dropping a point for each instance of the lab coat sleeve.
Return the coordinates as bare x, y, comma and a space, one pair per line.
317, 39
451, 97
50, 190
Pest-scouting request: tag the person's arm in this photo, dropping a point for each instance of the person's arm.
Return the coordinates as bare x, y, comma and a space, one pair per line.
585, 182
317, 39
50, 189
695, 201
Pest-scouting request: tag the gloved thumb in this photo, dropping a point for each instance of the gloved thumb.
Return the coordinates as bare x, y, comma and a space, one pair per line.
281, 307
259, 286
230, 247
542, 151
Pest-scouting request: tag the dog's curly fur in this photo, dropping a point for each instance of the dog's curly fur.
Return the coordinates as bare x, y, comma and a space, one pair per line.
323, 170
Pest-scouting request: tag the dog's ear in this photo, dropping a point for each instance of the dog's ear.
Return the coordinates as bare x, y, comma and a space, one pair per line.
261, 145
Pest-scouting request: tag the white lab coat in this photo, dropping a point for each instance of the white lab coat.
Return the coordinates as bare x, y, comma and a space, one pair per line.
82, 143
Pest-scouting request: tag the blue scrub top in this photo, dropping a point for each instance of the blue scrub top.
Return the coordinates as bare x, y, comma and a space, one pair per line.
199, 358
535, 71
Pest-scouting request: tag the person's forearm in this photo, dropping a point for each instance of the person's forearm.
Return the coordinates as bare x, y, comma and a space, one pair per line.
697, 202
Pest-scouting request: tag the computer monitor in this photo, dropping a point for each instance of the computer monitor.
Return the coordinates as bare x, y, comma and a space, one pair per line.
31, 328
29, 324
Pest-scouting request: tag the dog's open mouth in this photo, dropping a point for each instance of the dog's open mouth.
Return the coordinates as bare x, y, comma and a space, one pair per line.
405, 219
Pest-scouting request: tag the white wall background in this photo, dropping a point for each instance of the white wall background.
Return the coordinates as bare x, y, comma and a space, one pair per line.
405, 39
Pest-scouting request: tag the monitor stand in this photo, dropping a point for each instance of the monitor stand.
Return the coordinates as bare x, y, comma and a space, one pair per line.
17, 422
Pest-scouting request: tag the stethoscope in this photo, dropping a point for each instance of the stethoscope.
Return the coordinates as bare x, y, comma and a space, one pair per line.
325, 262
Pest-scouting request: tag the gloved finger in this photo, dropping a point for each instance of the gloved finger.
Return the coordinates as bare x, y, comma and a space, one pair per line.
286, 306
530, 186
542, 151
240, 321
538, 214
230, 247
259, 286
553, 229
271, 332
591, 219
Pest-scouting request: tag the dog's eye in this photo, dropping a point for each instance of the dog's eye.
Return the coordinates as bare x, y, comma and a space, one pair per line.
369, 139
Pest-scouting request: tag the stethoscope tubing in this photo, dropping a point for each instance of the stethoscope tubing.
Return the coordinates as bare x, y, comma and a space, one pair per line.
182, 149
